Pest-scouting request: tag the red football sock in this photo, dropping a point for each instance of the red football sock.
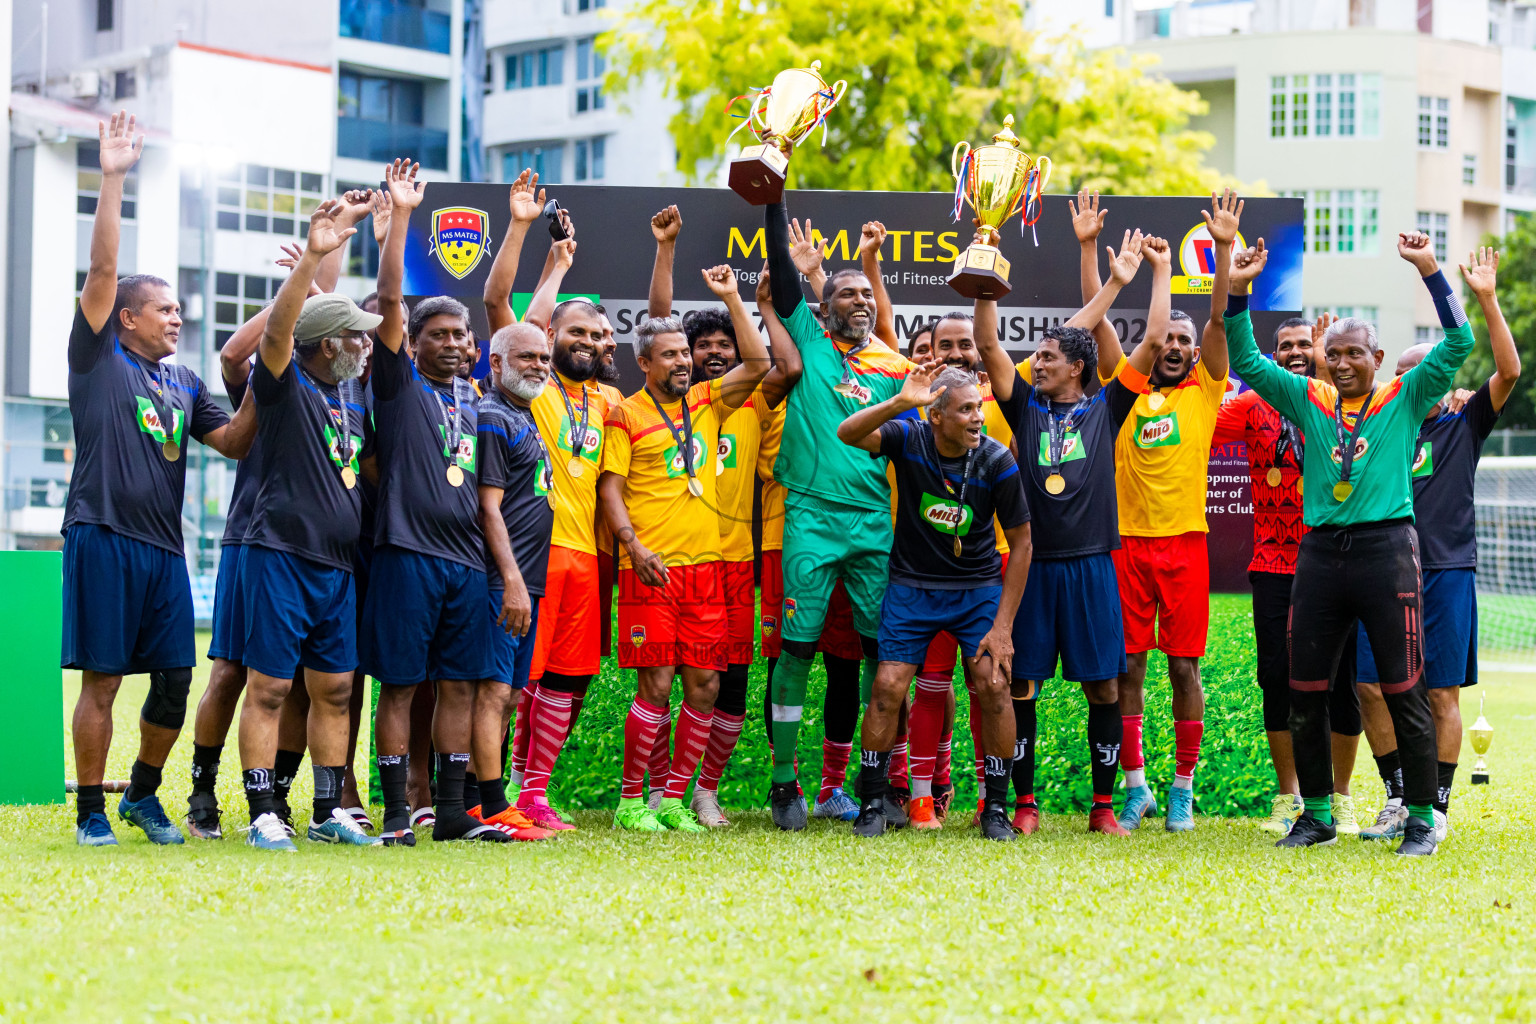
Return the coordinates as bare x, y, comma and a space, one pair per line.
1186, 748
520, 728
1130, 743
723, 735
927, 720
549, 722
692, 737
660, 763
640, 728
941, 763
834, 767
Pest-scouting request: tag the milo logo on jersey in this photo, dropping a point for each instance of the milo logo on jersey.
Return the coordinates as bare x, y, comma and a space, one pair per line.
591, 447
543, 478
725, 453
149, 421
946, 516
1424, 460
1071, 448
465, 456
333, 446
674, 458
1361, 447
1157, 431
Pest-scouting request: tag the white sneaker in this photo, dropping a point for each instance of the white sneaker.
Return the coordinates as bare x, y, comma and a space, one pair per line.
706, 804
1389, 823
1442, 827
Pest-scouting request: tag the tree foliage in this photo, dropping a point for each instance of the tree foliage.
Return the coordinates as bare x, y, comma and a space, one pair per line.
922, 75
1517, 300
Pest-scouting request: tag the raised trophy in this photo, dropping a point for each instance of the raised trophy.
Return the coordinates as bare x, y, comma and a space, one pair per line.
1481, 735
782, 115
998, 181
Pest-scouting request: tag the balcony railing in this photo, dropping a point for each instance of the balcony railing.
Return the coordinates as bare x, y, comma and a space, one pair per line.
380, 141
399, 24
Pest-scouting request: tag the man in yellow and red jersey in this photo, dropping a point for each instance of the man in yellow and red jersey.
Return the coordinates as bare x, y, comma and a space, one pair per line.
661, 498
1161, 460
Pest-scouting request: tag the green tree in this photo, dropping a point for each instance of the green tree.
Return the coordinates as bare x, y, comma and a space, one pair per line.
922, 75
1517, 300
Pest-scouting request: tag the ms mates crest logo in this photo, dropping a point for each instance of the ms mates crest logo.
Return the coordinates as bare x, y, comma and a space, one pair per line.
460, 238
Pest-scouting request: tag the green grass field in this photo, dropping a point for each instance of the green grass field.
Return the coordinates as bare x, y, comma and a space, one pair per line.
750, 924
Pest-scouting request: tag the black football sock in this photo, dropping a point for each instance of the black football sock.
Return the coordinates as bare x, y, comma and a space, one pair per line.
1026, 730
493, 796
205, 767
89, 800
328, 782
1447, 775
471, 790
143, 780
393, 769
452, 819
995, 779
1391, 770
284, 768
874, 769
1104, 732
258, 791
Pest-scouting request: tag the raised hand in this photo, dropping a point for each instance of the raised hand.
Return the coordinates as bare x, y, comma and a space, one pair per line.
665, 226
764, 294
120, 150
1087, 218
1414, 247
1226, 210
405, 192
381, 207
1481, 270
1457, 400
917, 390
1248, 264
1124, 264
565, 253
721, 280
525, 200
325, 230
806, 254
355, 204
290, 256
871, 238
1324, 321
1156, 252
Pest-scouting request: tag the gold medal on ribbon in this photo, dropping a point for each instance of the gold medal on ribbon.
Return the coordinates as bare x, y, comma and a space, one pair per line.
1055, 483
1299, 481
957, 547
550, 497
1155, 400
171, 450
573, 466
696, 487
1273, 477
348, 477
1342, 490
455, 476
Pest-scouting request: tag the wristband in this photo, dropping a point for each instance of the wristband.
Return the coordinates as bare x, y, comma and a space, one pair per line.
1237, 304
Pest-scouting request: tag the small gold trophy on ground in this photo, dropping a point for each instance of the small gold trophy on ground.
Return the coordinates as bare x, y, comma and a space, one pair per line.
1481, 735
998, 181
781, 117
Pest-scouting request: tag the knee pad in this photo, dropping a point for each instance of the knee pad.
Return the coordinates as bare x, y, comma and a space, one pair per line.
166, 704
805, 650
732, 698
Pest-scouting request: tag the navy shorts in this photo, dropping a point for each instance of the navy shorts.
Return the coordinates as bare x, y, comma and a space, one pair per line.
1450, 632
424, 619
228, 608
127, 604
1071, 611
297, 613
910, 617
362, 568
512, 654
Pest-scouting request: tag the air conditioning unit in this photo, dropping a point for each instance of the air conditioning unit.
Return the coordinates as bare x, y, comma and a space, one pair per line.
85, 85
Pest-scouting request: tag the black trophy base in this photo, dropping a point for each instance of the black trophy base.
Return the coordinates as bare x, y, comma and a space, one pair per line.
981, 272
758, 174
1479, 778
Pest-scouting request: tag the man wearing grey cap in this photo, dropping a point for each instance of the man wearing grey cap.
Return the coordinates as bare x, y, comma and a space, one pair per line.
296, 581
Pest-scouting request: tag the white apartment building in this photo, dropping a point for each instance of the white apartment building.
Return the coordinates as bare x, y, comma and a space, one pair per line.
253, 113
1384, 115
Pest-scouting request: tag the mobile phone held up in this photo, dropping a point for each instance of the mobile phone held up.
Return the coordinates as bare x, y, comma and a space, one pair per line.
553, 210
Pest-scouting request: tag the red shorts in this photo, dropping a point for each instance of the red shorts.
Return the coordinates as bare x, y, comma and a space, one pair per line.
569, 610
740, 596
838, 637
1166, 582
942, 651
682, 623
773, 603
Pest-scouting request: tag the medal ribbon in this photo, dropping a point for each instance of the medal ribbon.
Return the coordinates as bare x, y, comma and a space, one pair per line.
577, 446
342, 416
684, 438
1060, 427
1289, 440
156, 397
452, 427
965, 480
848, 362
1347, 453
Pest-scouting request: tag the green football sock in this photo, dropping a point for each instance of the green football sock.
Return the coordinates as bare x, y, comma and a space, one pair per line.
867, 679
1320, 807
1424, 812
788, 701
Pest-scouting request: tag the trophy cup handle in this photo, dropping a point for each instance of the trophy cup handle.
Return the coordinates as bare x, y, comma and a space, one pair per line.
957, 158
1043, 168
838, 88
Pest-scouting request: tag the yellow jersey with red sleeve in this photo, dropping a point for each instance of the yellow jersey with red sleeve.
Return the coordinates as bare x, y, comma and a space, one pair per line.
773, 491
559, 411
1163, 454
643, 447
736, 475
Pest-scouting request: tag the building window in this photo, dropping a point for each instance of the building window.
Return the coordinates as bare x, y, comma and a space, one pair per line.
266, 199
1438, 227
590, 5
1277, 106
1469, 168
88, 183
1299, 106
1342, 221
229, 312
125, 85
589, 76
530, 69
1442, 123
1423, 335
104, 12
543, 160
1324, 106
1109, 8
1368, 313
1346, 106
1434, 122
379, 99
1426, 120
590, 158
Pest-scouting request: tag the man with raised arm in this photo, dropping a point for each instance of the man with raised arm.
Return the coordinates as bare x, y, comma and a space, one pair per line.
1070, 610
660, 497
127, 605
1360, 560
1450, 443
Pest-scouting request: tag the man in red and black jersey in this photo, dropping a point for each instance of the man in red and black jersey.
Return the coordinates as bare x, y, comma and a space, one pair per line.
1274, 464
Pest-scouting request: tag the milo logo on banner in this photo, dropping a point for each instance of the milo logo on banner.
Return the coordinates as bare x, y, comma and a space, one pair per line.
149, 421
675, 459
1071, 448
1424, 460
1157, 431
947, 516
725, 453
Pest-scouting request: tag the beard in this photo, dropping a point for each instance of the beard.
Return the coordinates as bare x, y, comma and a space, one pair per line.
525, 388
568, 368
607, 372
842, 327
347, 365
675, 388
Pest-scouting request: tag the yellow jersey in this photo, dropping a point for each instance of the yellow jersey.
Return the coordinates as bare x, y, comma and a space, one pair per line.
736, 470
575, 493
773, 491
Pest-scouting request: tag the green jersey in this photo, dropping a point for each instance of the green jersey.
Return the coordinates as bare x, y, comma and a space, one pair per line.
811, 459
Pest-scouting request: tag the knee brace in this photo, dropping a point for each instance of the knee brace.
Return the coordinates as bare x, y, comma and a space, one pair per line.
166, 704
805, 650
732, 698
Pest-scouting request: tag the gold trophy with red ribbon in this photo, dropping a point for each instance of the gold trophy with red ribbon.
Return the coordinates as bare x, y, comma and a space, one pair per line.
998, 181
782, 115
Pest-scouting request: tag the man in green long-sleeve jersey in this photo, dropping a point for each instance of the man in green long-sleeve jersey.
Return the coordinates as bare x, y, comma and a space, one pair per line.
1360, 560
